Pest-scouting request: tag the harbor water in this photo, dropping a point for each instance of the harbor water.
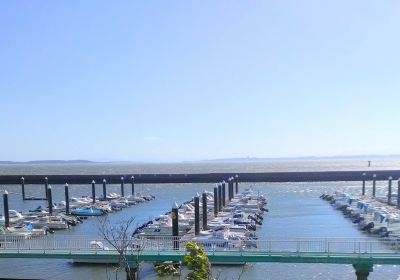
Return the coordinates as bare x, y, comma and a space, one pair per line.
296, 211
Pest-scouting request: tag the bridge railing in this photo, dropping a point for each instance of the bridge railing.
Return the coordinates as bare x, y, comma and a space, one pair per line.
160, 245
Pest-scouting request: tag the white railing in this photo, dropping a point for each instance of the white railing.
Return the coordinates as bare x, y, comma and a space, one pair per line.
159, 245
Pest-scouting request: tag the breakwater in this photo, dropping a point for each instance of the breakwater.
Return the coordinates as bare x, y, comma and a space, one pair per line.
316, 176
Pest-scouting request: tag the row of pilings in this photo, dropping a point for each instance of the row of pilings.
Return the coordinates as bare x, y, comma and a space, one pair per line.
49, 196
389, 186
93, 184
219, 202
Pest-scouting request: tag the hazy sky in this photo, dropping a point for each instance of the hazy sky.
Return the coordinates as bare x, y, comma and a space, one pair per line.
186, 80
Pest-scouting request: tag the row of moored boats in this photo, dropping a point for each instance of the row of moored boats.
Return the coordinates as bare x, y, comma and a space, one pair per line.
39, 222
233, 226
371, 215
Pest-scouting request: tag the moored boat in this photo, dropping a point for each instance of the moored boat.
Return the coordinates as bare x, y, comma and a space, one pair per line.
87, 212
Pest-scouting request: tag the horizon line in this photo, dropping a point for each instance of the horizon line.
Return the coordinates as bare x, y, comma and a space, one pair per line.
228, 159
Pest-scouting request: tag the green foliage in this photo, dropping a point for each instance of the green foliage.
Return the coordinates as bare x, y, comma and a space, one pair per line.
167, 269
197, 261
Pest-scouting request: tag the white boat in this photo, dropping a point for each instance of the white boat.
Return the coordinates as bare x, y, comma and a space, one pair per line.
50, 222
14, 217
111, 196
224, 238
21, 232
95, 246
79, 202
98, 246
104, 206
162, 226
135, 198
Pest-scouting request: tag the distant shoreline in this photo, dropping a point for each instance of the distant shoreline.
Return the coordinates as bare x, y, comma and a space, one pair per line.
222, 160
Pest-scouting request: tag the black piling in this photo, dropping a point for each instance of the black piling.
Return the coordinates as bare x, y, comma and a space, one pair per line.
50, 200
363, 184
93, 192
204, 202
6, 214
122, 187
398, 193
196, 215
229, 189
23, 187
66, 199
373, 185
223, 194
219, 197
46, 185
133, 185
237, 183
231, 186
104, 189
389, 189
175, 226
215, 201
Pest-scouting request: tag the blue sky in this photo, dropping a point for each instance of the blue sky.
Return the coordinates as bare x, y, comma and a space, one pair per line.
187, 80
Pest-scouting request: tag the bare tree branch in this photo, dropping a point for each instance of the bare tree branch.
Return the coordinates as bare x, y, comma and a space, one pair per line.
120, 236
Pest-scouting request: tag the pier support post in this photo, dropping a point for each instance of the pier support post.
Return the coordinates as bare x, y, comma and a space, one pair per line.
175, 226
23, 187
133, 185
389, 190
398, 193
363, 270
237, 183
93, 192
219, 197
122, 187
204, 202
229, 189
66, 190
196, 215
223, 194
104, 189
46, 185
232, 188
215, 201
373, 185
363, 183
50, 200
6, 214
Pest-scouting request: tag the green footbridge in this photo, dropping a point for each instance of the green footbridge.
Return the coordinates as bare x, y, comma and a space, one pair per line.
361, 253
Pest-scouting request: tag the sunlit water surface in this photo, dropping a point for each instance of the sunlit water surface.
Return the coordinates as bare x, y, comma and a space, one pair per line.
296, 211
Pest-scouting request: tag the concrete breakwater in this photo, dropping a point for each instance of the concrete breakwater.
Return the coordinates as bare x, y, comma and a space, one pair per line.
320, 176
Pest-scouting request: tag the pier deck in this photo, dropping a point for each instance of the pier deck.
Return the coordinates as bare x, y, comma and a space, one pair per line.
321, 176
339, 251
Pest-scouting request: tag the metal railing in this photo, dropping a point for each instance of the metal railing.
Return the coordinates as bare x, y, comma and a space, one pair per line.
160, 245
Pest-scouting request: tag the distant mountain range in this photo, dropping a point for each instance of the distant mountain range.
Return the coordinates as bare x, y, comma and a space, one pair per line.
243, 159
46, 162
349, 157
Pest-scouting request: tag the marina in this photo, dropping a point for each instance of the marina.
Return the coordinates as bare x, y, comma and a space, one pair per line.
199, 140
64, 214
226, 223
281, 199
377, 216
287, 205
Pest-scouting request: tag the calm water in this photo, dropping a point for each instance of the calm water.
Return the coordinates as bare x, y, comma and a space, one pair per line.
295, 212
